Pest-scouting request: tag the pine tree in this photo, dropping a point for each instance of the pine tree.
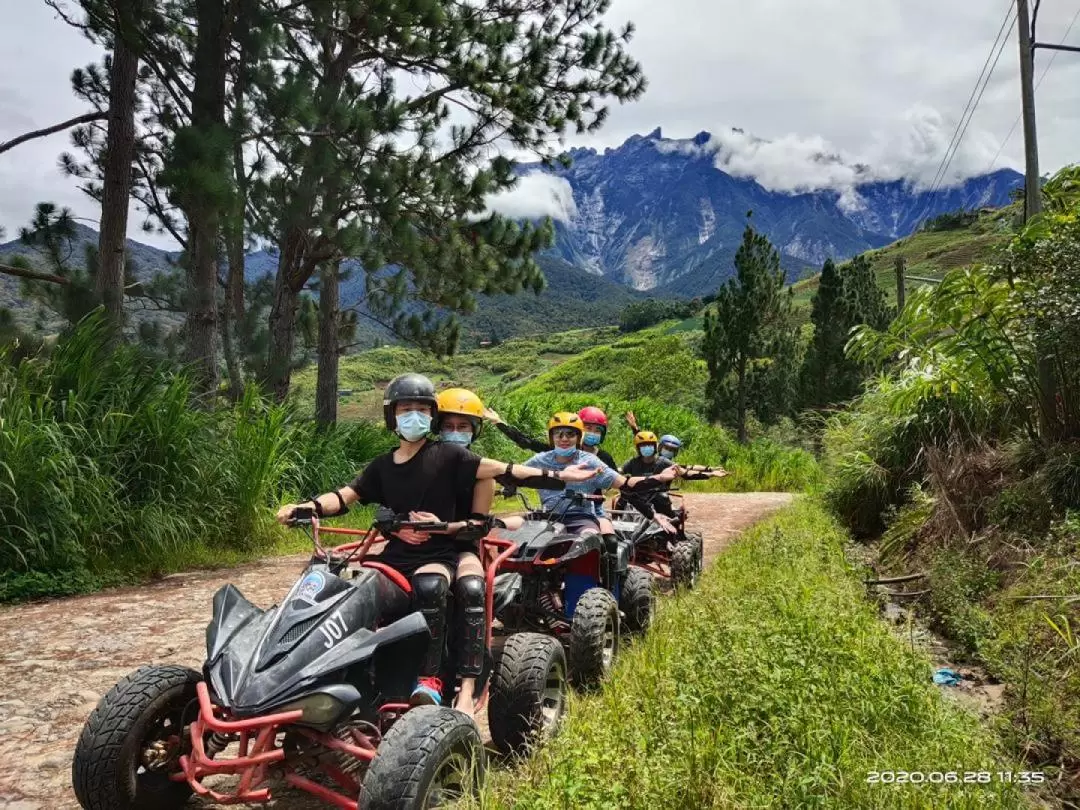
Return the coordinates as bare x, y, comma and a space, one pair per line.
750, 340
386, 178
846, 297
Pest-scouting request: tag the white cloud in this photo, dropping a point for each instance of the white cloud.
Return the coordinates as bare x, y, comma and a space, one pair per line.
793, 163
536, 195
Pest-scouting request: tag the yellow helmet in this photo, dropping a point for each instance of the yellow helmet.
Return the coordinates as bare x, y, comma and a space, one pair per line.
644, 437
462, 402
566, 419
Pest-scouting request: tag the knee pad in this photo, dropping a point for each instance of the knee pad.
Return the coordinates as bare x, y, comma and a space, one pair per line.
430, 590
429, 593
469, 591
470, 609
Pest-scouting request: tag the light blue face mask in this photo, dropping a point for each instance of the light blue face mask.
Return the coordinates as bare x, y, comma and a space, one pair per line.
565, 452
413, 425
457, 437
592, 439
647, 450
668, 454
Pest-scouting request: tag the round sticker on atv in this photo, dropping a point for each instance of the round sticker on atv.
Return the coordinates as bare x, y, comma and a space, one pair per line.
310, 587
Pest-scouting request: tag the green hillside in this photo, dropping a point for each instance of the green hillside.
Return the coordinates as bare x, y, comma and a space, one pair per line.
929, 253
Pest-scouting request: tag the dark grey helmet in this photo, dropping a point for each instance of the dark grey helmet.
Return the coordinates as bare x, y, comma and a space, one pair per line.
412, 387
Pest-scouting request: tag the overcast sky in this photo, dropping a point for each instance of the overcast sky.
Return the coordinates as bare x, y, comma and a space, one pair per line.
883, 81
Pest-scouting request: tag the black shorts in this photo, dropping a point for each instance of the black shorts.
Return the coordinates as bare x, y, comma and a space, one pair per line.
407, 558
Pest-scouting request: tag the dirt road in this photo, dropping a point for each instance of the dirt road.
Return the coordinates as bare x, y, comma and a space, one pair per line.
58, 658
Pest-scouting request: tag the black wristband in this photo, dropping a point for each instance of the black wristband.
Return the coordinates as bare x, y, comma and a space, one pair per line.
317, 506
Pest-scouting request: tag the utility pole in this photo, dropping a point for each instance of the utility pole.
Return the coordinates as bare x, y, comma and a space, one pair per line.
1033, 204
901, 266
1032, 193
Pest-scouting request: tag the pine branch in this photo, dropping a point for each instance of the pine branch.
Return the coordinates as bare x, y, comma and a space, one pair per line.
85, 118
35, 275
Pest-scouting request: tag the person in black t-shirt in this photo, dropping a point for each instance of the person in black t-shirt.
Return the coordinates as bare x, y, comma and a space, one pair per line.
657, 505
426, 480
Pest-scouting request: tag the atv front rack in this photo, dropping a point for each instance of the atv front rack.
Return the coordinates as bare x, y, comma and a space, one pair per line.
256, 758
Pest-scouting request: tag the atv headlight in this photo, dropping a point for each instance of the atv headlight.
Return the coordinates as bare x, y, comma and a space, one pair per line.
319, 709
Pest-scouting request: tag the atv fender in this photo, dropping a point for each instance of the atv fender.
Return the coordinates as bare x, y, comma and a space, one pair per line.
622, 558
507, 589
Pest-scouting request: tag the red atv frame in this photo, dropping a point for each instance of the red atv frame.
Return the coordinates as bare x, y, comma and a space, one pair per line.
343, 748
682, 564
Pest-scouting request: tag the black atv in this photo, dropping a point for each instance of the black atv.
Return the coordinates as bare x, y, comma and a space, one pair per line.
553, 582
314, 692
678, 559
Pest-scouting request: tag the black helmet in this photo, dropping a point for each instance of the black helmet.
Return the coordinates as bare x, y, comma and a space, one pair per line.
412, 387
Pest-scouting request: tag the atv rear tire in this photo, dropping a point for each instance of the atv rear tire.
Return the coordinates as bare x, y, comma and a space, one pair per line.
594, 638
146, 705
699, 546
431, 757
528, 692
684, 564
638, 600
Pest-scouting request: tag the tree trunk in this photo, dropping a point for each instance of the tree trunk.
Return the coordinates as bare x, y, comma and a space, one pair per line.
232, 365
283, 316
740, 404
203, 211
116, 187
326, 387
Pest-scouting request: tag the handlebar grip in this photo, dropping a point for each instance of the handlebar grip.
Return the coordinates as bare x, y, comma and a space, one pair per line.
301, 516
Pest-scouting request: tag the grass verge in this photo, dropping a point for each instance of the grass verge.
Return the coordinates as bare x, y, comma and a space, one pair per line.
772, 685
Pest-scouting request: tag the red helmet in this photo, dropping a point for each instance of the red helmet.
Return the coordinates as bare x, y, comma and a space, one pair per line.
592, 415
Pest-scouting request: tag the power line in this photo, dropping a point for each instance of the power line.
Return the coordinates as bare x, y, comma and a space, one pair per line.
1046, 70
962, 126
1009, 12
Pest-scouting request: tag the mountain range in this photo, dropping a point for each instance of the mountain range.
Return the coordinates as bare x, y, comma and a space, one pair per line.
661, 215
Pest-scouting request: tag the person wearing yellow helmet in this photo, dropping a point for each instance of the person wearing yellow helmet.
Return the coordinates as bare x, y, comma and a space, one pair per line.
461, 416
566, 432
429, 481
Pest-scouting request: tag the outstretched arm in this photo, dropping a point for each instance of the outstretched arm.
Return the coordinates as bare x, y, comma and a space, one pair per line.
513, 434
532, 476
696, 472
325, 505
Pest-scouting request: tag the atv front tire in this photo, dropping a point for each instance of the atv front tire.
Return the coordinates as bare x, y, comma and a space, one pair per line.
528, 692
431, 757
638, 600
147, 706
684, 564
594, 638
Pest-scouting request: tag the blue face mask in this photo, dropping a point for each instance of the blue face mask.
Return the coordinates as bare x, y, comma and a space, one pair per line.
413, 425
565, 452
668, 454
456, 437
647, 450
592, 439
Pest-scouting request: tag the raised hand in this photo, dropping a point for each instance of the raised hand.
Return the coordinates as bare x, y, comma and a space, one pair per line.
492, 416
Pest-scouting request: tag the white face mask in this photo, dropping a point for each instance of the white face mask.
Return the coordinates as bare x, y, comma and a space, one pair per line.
413, 425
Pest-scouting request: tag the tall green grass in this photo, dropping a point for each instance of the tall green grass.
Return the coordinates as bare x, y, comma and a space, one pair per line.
109, 467
773, 684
